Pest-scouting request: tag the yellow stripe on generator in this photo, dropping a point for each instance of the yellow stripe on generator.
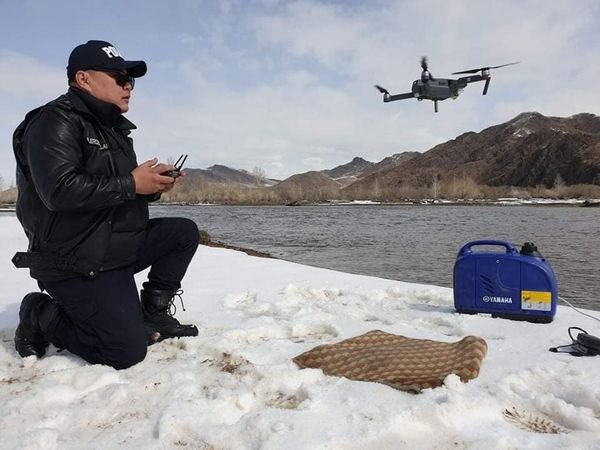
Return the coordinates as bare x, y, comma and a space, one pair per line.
536, 300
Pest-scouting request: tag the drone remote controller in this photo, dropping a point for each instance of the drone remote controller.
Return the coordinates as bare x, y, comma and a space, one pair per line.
178, 166
171, 173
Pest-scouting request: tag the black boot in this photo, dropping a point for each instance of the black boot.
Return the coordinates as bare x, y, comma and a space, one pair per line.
29, 337
159, 308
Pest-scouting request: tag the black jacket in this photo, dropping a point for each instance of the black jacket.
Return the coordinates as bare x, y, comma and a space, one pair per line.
77, 200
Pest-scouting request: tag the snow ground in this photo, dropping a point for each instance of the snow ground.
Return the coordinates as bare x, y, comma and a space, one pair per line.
235, 385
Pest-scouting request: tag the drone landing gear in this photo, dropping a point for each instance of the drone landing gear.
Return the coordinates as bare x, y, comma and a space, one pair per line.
487, 84
435, 105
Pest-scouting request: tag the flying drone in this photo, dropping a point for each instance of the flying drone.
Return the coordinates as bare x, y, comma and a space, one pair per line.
437, 89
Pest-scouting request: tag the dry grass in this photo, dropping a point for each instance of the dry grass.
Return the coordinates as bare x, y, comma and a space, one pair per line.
459, 189
8, 196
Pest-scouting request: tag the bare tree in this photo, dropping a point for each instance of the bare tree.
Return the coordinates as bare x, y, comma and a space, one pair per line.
259, 175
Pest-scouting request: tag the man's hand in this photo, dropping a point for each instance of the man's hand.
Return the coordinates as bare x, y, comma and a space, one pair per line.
148, 178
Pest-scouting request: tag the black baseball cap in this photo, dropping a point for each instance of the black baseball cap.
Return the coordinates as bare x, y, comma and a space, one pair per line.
102, 55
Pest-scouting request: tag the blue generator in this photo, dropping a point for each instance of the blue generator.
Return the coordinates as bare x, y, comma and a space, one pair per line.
508, 283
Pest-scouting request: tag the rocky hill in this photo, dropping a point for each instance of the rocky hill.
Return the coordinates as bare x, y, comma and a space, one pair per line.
359, 168
313, 186
527, 151
352, 169
531, 151
390, 162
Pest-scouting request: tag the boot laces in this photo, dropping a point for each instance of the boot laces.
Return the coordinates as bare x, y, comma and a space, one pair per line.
172, 309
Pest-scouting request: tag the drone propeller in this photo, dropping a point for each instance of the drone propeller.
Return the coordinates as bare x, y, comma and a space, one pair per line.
484, 68
382, 89
426, 74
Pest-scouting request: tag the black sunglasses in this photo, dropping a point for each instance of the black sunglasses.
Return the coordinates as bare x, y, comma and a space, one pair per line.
121, 78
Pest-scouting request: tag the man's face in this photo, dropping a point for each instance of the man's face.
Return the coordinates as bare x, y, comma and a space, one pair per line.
103, 86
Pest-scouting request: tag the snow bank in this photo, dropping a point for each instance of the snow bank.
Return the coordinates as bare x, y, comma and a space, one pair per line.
235, 386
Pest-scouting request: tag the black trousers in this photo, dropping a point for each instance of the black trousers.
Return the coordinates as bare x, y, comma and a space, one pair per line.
101, 319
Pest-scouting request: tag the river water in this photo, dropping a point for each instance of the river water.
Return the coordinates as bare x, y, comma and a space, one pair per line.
410, 243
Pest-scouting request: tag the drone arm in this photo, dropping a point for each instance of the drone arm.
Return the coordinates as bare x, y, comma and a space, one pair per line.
463, 81
470, 79
393, 98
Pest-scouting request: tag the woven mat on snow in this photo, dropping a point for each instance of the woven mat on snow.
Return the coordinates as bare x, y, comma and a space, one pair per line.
403, 363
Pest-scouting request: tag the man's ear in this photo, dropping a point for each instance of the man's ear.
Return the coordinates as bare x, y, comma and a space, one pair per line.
82, 80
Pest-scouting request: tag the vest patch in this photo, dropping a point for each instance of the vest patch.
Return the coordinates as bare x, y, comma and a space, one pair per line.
96, 142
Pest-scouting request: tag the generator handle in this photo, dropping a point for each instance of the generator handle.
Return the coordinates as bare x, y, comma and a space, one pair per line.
510, 248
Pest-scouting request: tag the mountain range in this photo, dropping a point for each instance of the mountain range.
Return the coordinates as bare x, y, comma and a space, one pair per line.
528, 151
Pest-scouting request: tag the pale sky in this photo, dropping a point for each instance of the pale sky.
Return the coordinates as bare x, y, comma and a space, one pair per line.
288, 85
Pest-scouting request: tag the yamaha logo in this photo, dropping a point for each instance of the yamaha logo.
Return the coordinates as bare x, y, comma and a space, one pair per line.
493, 299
